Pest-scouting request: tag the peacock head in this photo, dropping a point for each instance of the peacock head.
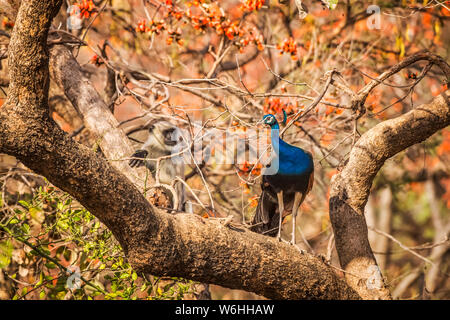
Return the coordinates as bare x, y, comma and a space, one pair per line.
271, 120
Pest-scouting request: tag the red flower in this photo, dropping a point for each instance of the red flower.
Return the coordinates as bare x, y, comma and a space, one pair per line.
253, 5
86, 7
288, 46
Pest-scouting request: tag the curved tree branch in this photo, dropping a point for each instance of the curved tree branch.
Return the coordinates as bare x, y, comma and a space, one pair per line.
351, 187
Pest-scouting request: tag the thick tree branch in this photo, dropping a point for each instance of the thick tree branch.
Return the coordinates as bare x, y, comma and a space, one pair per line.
351, 187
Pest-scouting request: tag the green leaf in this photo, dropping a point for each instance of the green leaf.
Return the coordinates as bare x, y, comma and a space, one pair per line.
6, 250
331, 4
26, 228
24, 203
63, 225
50, 265
41, 279
124, 276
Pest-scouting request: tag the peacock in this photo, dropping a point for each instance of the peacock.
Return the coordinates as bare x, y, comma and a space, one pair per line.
283, 191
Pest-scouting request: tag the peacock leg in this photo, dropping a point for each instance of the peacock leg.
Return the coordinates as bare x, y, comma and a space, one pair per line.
281, 209
295, 209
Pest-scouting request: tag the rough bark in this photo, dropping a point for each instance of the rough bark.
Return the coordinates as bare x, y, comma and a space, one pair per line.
351, 187
183, 245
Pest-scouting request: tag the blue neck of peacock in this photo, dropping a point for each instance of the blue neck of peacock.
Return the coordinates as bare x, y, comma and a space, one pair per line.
275, 137
275, 131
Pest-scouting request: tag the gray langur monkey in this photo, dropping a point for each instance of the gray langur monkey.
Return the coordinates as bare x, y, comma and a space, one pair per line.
164, 139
